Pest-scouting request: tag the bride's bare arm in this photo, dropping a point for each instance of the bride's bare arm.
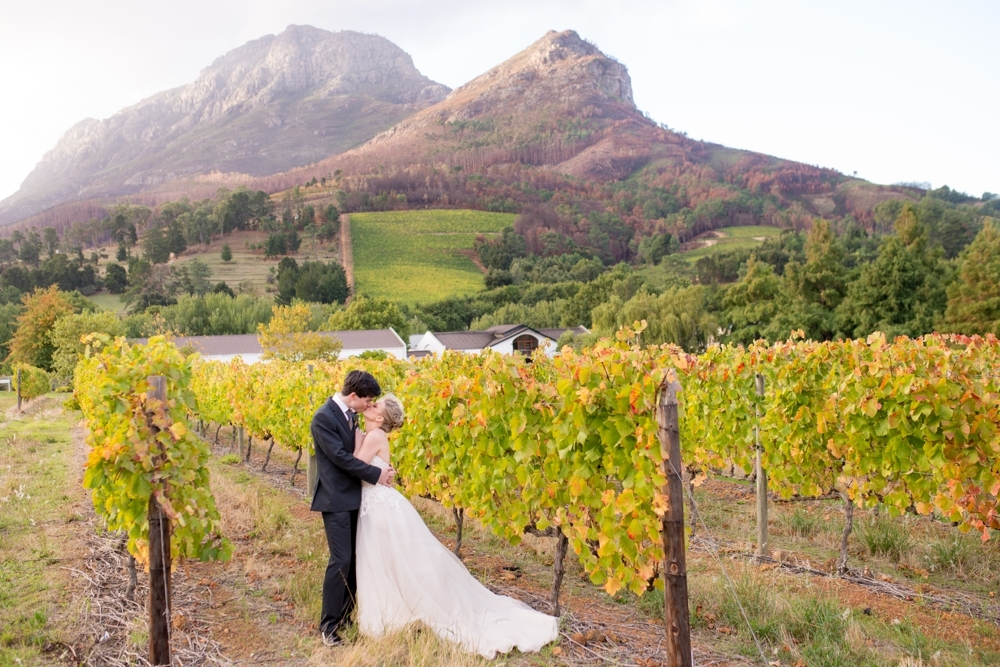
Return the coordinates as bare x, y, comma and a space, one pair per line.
359, 438
374, 443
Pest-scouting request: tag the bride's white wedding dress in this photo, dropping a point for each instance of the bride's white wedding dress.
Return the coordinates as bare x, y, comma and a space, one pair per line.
405, 574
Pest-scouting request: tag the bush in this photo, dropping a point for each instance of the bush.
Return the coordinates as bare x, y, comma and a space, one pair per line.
34, 381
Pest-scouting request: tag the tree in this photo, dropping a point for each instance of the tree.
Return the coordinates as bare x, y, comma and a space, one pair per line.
115, 278
32, 343
275, 245
222, 288
215, 314
752, 302
30, 248
194, 276
8, 326
149, 285
498, 253
227, 253
68, 330
155, 247
51, 239
974, 299
903, 292
314, 282
176, 243
654, 248
292, 241
287, 336
680, 316
369, 313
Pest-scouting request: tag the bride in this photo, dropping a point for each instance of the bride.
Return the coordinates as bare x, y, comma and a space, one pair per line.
405, 574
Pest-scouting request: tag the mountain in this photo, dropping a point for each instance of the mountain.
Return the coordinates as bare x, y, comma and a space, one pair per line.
548, 104
273, 104
559, 116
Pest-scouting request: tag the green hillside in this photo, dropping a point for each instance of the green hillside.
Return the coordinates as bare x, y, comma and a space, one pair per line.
680, 266
730, 238
420, 256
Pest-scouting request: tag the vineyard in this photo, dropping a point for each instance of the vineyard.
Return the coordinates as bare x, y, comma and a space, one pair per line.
568, 447
420, 256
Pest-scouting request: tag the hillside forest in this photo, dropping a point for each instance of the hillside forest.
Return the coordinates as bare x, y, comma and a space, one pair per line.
929, 261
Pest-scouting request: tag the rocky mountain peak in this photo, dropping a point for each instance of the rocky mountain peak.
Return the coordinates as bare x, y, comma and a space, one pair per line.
273, 104
559, 60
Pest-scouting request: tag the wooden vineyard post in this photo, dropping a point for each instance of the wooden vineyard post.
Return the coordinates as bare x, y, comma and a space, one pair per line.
312, 472
675, 591
19, 389
159, 560
762, 546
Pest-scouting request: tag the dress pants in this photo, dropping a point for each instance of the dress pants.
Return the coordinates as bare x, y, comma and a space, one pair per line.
340, 586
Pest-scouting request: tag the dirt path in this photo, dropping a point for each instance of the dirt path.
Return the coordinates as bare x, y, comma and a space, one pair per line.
347, 252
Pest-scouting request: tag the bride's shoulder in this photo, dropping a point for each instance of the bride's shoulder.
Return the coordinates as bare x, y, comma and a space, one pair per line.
376, 436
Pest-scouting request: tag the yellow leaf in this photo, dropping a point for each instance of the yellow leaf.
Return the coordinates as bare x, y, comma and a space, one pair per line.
178, 429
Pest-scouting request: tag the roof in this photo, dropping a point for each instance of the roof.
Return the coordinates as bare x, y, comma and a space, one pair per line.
555, 334
465, 340
211, 346
478, 340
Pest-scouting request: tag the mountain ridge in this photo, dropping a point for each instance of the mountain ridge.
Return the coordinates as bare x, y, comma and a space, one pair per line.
274, 103
559, 107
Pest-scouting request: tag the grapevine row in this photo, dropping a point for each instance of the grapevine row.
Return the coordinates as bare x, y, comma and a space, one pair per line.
571, 442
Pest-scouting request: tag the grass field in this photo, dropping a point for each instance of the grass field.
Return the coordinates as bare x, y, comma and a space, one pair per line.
678, 269
417, 256
246, 265
107, 301
731, 238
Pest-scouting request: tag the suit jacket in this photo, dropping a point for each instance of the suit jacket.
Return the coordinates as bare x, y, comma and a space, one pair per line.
338, 487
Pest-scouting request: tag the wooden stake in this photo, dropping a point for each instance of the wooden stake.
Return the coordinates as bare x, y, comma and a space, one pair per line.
312, 471
675, 591
848, 525
159, 560
762, 546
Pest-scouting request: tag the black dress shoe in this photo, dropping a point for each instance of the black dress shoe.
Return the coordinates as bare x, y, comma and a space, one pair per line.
331, 639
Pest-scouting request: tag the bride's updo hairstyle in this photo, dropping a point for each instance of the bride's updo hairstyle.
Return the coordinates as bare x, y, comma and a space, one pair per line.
392, 409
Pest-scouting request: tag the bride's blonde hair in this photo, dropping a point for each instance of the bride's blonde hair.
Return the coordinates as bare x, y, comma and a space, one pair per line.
392, 410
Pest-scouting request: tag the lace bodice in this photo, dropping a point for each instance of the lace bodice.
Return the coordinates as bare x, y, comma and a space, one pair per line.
377, 494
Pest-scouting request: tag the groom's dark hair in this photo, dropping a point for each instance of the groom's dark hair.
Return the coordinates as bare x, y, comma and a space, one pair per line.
361, 383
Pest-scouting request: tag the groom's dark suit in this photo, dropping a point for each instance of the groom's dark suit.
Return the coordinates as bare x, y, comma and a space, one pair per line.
338, 497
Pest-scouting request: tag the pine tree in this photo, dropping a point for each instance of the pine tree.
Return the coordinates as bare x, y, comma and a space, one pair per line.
227, 253
974, 299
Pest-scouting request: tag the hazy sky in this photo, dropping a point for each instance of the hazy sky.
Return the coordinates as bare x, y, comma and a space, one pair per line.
894, 90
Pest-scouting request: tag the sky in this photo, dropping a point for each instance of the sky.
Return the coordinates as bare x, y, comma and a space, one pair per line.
896, 91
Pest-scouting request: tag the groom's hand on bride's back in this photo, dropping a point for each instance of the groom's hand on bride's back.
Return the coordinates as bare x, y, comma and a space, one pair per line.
387, 477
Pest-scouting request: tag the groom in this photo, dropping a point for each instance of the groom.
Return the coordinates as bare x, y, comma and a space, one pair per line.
338, 493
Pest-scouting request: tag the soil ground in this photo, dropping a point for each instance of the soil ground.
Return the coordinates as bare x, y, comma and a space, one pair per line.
63, 581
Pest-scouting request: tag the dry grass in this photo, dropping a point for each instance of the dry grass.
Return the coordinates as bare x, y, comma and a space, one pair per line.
412, 647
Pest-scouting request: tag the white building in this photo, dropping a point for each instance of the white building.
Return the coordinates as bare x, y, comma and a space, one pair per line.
504, 338
247, 346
